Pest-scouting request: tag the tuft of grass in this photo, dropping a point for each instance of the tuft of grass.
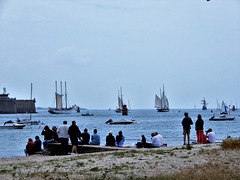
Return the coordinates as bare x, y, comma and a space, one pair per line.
231, 144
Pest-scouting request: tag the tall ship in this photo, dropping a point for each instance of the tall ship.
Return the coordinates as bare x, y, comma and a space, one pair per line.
161, 103
12, 105
59, 109
204, 103
122, 108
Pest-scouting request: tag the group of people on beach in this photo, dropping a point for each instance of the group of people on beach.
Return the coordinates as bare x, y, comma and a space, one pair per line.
210, 136
64, 132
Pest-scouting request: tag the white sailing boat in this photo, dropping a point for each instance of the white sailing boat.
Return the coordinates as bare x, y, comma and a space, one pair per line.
120, 102
59, 109
224, 108
161, 103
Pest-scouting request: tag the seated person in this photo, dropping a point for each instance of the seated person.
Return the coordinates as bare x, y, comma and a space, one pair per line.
110, 139
211, 136
85, 137
38, 144
142, 143
95, 138
156, 142
120, 139
30, 147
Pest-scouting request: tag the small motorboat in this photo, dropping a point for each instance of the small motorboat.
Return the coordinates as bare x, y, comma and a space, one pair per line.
27, 121
87, 114
122, 121
12, 125
222, 118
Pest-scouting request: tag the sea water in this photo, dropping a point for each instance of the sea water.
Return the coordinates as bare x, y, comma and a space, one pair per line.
168, 124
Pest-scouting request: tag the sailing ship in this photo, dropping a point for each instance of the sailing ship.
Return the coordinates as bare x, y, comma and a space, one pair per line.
122, 108
204, 103
59, 109
161, 103
224, 108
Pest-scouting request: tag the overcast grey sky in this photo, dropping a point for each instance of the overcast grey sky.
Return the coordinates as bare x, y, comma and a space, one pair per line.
190, 46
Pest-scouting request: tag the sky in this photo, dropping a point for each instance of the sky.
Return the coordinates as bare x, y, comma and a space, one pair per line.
192, 47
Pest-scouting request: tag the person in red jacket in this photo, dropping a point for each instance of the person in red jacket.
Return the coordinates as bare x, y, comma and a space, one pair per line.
30, 147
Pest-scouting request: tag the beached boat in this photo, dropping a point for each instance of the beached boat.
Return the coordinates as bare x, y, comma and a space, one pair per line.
12, 125
204, 103
161, 103
222, 118
59, 109
121, 121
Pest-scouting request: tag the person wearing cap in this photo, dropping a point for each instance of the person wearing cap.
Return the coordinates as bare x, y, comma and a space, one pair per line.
186, 123
211, 136
110, 139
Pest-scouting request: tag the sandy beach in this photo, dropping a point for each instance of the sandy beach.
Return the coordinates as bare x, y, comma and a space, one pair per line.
207, 161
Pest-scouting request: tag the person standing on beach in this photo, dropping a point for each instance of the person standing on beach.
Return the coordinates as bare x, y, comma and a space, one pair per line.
74, 134
63, 137
186, 123
199, 129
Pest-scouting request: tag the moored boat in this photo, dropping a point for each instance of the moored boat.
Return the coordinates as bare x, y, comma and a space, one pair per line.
121, 121
12, 125
222, 118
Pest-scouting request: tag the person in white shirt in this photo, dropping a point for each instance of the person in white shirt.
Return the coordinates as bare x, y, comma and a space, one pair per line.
155, 140
63, 137
160, 137
211, 136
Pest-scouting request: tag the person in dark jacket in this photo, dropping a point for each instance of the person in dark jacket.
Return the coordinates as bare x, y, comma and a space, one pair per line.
110, 139
85, 137
38, 144
199, 129
186, 123
48, 136
74, 134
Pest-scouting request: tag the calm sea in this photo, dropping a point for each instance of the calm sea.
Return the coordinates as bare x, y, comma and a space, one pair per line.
168, 124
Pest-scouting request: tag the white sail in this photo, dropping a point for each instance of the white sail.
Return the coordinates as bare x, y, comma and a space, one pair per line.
161, 103
58, 101
158, 102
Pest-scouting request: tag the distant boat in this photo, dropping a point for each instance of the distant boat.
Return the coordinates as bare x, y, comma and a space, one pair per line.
161, 103
87, 114
224, 108
222, 118
27, 121
59, 109
122, 108
121, 121
12, 125
204, 104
